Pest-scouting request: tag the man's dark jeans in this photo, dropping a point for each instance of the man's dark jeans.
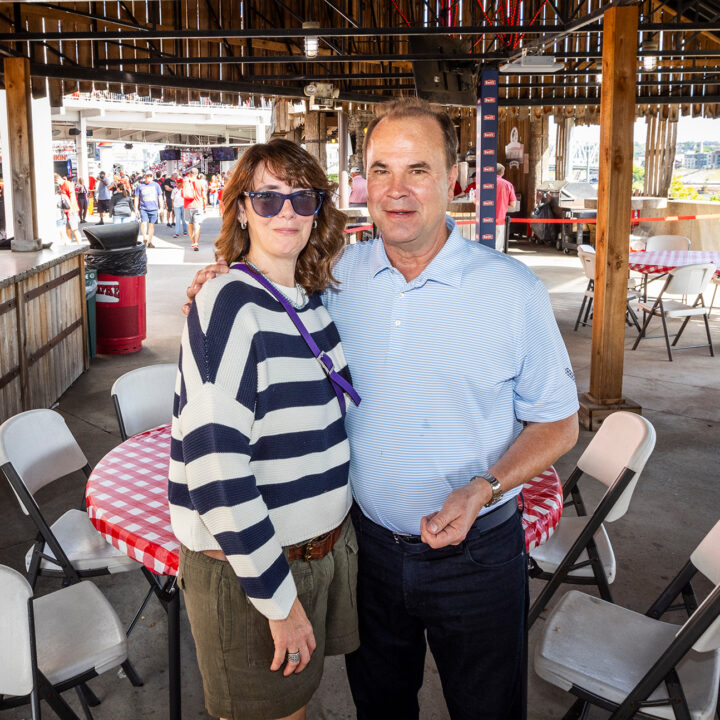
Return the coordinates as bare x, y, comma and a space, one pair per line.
470, 599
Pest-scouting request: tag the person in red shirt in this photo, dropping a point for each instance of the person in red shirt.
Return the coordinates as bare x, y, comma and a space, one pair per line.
504, 197
70, 207
193, 192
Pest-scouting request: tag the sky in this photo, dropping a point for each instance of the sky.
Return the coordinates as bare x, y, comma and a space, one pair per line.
688, 129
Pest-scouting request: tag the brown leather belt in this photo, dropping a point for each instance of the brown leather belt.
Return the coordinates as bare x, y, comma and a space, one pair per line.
316, 548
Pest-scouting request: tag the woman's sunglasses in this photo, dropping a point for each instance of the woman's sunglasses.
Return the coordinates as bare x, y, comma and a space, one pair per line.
268, 203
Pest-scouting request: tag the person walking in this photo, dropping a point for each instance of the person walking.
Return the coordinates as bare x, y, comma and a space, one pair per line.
178, 204
70, 208
121, 204
81, 194
168, 185
148, 201
103, 194
194, 197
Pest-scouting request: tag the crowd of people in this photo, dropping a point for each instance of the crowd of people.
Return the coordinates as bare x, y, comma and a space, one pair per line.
178, 199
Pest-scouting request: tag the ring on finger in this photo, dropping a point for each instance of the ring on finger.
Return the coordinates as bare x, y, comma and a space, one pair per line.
293, 657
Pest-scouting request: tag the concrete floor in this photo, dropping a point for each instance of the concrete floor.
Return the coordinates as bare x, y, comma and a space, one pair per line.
677, 500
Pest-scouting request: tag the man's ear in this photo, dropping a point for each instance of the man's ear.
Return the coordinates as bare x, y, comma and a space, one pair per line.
452, 179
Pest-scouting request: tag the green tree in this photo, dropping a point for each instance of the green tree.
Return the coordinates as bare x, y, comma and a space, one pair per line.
638, 176
682, 192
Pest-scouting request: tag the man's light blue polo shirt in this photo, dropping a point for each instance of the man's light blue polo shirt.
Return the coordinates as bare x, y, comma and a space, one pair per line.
447, 366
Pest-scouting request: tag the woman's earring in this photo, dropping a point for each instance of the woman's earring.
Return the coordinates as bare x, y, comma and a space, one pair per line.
243, 225
314, 224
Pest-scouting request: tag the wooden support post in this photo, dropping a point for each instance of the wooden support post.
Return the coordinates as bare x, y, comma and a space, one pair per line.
22, 161
617, 116
342, 159
316, 135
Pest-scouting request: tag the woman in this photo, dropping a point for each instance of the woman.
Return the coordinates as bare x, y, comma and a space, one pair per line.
213, 187
258, 488
121, 203
81, 193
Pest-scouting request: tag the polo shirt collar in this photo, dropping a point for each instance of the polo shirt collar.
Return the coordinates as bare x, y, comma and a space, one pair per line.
446, 267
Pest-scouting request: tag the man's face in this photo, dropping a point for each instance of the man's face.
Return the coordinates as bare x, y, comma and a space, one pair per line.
408, 183
147, 179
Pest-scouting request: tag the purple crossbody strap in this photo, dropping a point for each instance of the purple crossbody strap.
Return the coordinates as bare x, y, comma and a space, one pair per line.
339, 383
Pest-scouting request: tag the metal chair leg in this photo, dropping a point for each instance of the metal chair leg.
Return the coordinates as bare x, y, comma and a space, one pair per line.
667, 337
707, 330
132, 674
582, 307
89, 695
579, 711
84, 703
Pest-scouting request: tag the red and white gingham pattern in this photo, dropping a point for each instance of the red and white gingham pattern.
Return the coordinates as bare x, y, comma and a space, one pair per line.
127, 502
543, 497
662, 261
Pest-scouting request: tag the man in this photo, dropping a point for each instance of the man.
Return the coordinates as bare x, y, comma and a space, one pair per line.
504, 197
148, 201
467, 393
194, 197
169, 184
102, 187
358, 194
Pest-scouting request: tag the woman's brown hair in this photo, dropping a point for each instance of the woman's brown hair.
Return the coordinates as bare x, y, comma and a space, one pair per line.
296, 167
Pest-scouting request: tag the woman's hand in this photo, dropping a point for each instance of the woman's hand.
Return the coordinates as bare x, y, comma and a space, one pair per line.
292, 634
201, 276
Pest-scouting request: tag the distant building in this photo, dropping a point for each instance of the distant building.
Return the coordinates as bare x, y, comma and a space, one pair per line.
715, 159
695, 161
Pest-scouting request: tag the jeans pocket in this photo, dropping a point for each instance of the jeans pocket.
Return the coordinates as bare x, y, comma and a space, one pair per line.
498, 548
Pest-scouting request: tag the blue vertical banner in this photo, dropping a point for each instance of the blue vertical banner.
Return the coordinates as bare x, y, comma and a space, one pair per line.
486, 157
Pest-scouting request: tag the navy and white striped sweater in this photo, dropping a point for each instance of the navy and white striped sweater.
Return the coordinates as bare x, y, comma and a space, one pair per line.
259, 455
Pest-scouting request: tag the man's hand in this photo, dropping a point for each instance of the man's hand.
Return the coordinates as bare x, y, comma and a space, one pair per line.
201, 277
293, 634
451, 523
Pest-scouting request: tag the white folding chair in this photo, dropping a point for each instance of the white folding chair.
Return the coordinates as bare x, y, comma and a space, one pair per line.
716, 283
667, 242
54, 643
579, 551
690, 281
586, 253
37, 448
143, 398
636, 665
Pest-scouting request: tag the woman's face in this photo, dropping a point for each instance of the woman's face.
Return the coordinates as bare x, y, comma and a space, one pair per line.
281, 237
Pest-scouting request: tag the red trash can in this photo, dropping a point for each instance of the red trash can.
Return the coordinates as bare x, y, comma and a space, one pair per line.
121, 264
121, 324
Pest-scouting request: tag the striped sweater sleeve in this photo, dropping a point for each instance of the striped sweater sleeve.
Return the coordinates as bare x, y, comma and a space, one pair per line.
219, 375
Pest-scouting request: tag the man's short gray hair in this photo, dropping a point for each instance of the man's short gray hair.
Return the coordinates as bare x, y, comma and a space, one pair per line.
500, 169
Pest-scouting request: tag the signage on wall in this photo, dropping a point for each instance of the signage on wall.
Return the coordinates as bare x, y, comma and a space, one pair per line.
486, 142
514, 150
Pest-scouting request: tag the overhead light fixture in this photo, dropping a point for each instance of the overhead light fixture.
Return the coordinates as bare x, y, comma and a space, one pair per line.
311, 41
649, 61
531, 65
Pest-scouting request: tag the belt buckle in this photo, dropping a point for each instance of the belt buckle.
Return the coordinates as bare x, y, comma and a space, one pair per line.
307, 555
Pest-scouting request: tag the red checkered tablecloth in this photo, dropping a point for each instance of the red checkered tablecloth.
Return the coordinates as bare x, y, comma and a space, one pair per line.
543, 498
127, 502
662, 261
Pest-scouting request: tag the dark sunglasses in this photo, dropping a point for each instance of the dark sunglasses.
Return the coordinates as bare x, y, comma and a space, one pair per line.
268, 203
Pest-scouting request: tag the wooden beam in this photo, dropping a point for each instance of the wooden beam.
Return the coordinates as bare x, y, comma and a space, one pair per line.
22, 161
617, 116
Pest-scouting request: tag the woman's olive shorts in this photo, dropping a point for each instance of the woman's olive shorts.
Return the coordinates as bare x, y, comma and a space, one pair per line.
233, 642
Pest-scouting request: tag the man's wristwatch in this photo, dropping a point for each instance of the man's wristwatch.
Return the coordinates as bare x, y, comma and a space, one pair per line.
497, 491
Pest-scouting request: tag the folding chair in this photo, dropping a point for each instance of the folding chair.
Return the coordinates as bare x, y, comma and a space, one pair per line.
143, 398
689, 280
54, 643
667, 242
586, 253
37, 448
579, 551
635, 665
